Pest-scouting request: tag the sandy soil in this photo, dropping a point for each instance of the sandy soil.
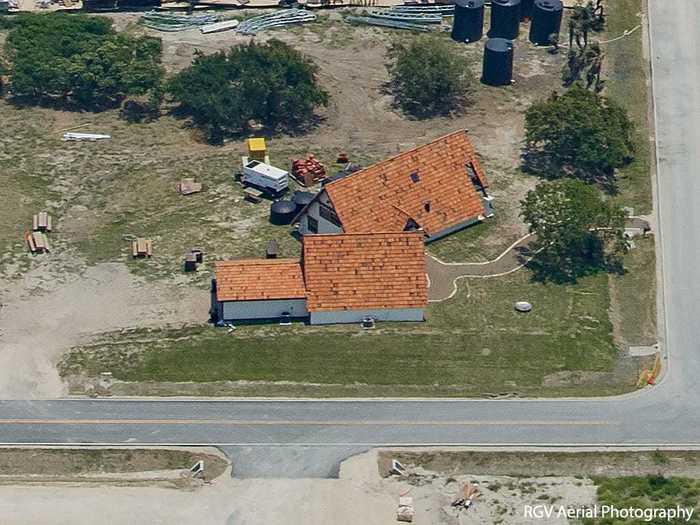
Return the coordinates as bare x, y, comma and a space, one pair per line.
45, 314
359, 496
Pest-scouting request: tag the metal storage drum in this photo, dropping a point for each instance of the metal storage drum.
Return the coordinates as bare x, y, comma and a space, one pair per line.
505, 19
302, 198
526, 9
546, 21
468, 23
498, 62
282, 212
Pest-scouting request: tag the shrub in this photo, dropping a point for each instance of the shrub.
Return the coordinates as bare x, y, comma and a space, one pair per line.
429, 77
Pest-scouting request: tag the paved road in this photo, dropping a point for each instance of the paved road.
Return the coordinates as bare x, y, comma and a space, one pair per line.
667, 415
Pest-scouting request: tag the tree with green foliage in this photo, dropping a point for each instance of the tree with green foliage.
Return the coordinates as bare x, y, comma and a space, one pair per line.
578, 134
429, 77
270, 84
79, 61
577, 231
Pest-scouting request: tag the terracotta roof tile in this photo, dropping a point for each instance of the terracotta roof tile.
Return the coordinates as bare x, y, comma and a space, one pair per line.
255, 279
380, 197
364, 271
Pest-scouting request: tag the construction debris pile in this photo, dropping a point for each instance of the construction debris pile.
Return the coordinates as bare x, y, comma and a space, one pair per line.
174, 22
413, 18
251, 26
308, 171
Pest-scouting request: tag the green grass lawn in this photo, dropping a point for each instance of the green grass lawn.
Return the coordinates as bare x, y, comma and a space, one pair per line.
647, 492
626, 74
474, 344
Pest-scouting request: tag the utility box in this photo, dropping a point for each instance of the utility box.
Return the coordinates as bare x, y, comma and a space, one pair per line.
267, 178
257, 150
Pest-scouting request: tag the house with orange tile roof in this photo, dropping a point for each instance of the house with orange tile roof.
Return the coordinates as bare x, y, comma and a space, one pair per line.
438, 188
340, 278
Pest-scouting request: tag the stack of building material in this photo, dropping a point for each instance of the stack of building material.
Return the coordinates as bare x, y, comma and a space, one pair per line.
142, 247
193, 258
41, 222
219, 26
79, 137
175, 22
406, 511
308, 171
188, 186
251, 26
37, 241
470, 493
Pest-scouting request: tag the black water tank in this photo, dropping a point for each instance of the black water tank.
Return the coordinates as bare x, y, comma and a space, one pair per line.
505, 19
282, 212
546, 20
468, 24
498, 62
302, 198
526, 9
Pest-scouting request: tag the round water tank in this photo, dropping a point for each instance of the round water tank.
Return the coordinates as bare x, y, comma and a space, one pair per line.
526, 9
505, 19
468, 23
498, 62
302, 198
546, 21
282, 212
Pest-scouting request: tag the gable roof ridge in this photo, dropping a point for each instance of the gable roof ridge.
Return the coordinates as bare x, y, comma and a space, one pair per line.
412, 150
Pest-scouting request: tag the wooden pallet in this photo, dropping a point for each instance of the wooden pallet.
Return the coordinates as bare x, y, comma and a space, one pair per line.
142, 247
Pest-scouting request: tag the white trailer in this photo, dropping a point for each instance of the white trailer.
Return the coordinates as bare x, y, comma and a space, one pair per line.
217, 26
265, 177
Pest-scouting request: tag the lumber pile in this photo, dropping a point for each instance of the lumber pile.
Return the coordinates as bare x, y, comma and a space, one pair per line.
41, 222
37, 241
188, 187
308, 171
406, 512
142, 247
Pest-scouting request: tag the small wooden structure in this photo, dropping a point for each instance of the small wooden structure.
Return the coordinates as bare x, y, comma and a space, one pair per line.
257, 150
142, 247
41, 222
253, 195
188, 187
37, 241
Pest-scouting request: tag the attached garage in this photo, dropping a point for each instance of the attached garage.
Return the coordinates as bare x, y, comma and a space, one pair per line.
250, 289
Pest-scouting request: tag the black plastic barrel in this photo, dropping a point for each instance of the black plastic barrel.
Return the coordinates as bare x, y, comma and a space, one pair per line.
526, 9
498, 62
505, 19
468, 23
546, 21
282, 212
302, 198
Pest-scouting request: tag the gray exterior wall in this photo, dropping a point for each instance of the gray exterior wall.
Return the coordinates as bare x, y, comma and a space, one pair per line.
324, 226
265, 309
355, 316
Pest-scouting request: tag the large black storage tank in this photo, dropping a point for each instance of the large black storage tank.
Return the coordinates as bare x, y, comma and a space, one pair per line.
526, 9
546, 20
282, 212
498, 62
505, 19
468, 23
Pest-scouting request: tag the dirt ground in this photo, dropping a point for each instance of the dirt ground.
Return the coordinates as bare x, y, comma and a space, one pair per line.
45, 314
359, 495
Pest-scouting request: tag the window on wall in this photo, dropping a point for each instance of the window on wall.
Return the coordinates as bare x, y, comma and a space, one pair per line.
311, 224
329, 214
